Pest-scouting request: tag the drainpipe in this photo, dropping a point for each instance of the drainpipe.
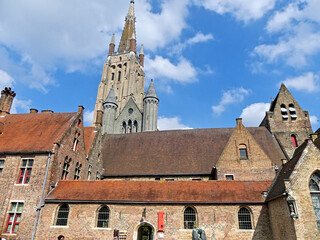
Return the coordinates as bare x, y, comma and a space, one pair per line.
42, 193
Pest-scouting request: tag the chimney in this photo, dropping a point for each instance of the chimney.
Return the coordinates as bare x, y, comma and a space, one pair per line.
80, 108
33, 110
47, 111
284, 161
98, 122
7, 96
239, 123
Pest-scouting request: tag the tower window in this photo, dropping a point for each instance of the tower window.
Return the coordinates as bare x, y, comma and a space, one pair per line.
190, 218
294, 140
292, 111
129, 126
315, 196
119, 76
135, 126
244, 218
284, 112
243, 151
112, 76
124, 127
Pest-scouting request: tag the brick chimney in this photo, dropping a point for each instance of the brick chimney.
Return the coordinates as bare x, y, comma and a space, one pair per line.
7, 96
239, 123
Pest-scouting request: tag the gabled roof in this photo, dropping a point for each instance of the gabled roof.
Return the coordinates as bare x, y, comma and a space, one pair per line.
181, 152
33, 132
89, 135
159, 192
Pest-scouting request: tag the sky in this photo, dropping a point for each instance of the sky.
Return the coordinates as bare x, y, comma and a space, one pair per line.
212, 61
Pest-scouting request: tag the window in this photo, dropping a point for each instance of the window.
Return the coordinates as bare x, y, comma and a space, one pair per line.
1, 166
129, 126
76, 142
124, 127
14, 217
244, 218
284, 112
25, 171
229, 177
97, 176
62, 216
190, 218
243, 151
292, 111
89, 172
135, 126
77, 171
315, 195
79, 123
66, 166
119, 76
112, 76
294, 140
103, 217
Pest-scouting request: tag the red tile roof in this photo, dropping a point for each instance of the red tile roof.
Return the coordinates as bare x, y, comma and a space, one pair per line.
159, 192
33, 132
89, 134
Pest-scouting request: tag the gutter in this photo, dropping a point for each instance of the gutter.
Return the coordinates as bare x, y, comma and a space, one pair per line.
24, 152
158, 175
42, 193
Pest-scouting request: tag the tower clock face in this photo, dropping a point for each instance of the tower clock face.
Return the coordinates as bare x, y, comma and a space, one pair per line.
130, 110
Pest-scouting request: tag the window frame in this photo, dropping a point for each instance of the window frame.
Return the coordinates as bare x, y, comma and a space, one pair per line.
25, 171
65, 170
186, 222
89, 172
98, 215
244, 222
229, 175
57, 215
15, 214
245, 148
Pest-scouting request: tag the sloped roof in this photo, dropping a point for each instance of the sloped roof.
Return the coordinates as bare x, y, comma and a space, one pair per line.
278, 187
159, 192
193, 151
89, 135
33, 132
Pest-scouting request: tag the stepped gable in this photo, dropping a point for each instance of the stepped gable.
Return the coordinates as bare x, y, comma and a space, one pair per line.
89, 135
33, 132
159, 192
180, 152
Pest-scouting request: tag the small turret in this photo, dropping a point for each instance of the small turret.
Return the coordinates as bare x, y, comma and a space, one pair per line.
109, 114
133, 43
141, 56
7, 96
150, 109
111, 46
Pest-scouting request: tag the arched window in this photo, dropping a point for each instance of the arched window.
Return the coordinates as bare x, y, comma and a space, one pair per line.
112, 76
124, 127
243, 151
294, 140
284, 112
103, 217
292, 111
77, 171
129, 126
62, 216
66, 166
244, 218
135, 124
119, 76
315, 195
190, 218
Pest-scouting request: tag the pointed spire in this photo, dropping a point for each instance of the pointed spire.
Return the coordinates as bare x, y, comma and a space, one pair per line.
141, 50
133, 36
151, 90
131, 9
111, 46
111, 98
128, 30
112, 39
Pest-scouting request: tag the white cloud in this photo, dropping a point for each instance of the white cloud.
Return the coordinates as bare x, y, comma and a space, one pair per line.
20, 106
159, 67
5, 80
314, 120
88, 117
229, 97
253, 114
165, 123
308, 82
244, 10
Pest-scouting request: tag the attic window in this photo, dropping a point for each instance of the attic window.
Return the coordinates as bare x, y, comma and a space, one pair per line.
284, 112
292, 111
243, 152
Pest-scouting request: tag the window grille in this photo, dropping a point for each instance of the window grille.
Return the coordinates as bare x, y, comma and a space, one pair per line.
244, 219
25, 171
62, 216
1, 166
190, 218
103, 217
14, 217
315, 196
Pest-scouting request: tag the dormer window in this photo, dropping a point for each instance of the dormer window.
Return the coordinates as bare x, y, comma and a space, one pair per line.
292, 111
284, 112
243, 152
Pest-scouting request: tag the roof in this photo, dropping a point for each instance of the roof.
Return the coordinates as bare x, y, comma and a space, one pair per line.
159, 192
151, 92
33, 132
194, 151
89, 134
278, 187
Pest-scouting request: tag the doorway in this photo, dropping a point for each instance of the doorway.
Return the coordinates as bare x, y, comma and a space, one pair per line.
145, 232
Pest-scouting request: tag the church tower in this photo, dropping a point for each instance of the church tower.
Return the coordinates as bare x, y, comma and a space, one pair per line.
123, 77
287, 121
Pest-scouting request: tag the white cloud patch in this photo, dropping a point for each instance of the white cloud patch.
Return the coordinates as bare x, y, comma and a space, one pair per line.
88, 117
20, 106
244, 10
162, 68
173, 123
253, 114
5, 80
308, 82
314, 120
230, 97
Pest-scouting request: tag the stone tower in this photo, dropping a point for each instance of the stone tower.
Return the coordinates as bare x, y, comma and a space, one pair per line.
150, 109
289, 123
123, 81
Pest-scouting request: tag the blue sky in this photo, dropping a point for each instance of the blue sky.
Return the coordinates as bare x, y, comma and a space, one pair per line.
211, 60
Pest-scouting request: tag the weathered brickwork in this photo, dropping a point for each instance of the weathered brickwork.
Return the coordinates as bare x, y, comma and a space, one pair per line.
219, 221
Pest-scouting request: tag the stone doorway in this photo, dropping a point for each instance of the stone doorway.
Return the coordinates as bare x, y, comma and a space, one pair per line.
145, 232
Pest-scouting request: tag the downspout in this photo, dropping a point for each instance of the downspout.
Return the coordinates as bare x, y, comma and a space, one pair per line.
42, 193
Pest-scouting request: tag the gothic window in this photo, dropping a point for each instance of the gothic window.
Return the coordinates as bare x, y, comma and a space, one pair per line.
103, 217
119, 76
76, 142
77, 171
124, 127
66, 166
62, 216
112, 76
315, 195
243, 151
244, 218
89, 172
294, 140
292, 111
129, 126
98, 176
14, 217
284, 112
25, 171
1, 166
190, 218
135, 126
